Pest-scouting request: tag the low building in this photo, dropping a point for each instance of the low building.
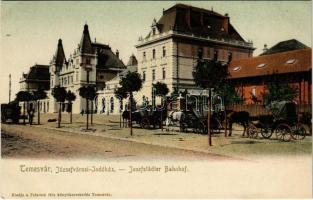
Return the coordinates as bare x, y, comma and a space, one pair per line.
288, 61
107, 102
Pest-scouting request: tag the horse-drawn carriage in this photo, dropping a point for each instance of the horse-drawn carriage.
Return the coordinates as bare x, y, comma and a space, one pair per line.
283, 123
195, 120
146, 117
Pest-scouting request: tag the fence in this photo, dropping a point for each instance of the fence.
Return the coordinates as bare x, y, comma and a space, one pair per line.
257, 110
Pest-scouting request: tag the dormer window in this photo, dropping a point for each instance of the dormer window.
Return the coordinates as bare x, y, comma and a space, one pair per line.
236, 69
153, 31
291, 61
261, 65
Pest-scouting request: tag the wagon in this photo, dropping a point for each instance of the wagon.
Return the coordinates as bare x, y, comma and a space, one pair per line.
283, 123
146, 117
198, 122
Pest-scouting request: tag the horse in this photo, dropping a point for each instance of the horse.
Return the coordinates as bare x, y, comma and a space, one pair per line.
240, 117
136, 116
173, 118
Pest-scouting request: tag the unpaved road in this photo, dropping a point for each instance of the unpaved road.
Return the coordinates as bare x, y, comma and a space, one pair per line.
20, 141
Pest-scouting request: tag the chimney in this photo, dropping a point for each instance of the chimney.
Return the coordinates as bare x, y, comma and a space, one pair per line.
117, 53
265, 48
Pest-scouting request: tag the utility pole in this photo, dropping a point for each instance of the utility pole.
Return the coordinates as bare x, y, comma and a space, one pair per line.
10, 88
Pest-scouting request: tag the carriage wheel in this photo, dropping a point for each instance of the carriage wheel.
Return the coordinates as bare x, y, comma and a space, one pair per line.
201, 128
219, 126
183, 127
252, 131
298, 132
266, 132
283, 132
145, 123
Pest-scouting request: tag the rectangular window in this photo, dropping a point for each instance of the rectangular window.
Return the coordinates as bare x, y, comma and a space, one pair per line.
153, 54
88, 61
144, 76
163, 73
153, 74
76, 76
230, 57
164, 51
215, 55
144, 56
254, 92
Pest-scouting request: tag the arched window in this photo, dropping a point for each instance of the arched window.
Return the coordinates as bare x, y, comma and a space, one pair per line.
103, 105
111, 105
121, 105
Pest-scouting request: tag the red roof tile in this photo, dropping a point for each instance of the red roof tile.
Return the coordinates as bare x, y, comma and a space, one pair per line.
279, 63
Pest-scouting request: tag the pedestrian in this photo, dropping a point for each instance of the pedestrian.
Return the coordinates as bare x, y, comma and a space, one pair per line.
30, 116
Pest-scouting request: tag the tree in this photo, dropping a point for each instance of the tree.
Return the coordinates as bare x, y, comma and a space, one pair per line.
161, 90
70, 97
25, 97
38, 95
279, 91
59, 93
230, 95
88, 93
207, 75
130, 83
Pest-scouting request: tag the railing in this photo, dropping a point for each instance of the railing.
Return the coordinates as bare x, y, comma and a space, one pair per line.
172, 32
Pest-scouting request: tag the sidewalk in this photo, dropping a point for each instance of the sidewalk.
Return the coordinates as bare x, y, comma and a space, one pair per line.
235, 146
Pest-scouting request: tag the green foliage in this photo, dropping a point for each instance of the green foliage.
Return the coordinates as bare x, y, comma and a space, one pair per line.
87, 92
161, 89
39, 94
24, 96
120, 93
229, 93
210, 74
278, 91
59, 93
70, 96
131, 82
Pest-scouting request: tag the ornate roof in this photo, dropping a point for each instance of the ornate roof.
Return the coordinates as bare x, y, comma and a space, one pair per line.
59, 55
85, 45
197, 21
132, 61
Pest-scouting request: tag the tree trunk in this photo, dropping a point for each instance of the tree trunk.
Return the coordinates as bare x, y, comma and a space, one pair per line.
38, 112
71, 114
209, 119
87, 110
130, 114
24, 113
91, 117
162, 113
59, 117
225, 121
121, 119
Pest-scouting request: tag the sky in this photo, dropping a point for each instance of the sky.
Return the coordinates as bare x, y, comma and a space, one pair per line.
30, 30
